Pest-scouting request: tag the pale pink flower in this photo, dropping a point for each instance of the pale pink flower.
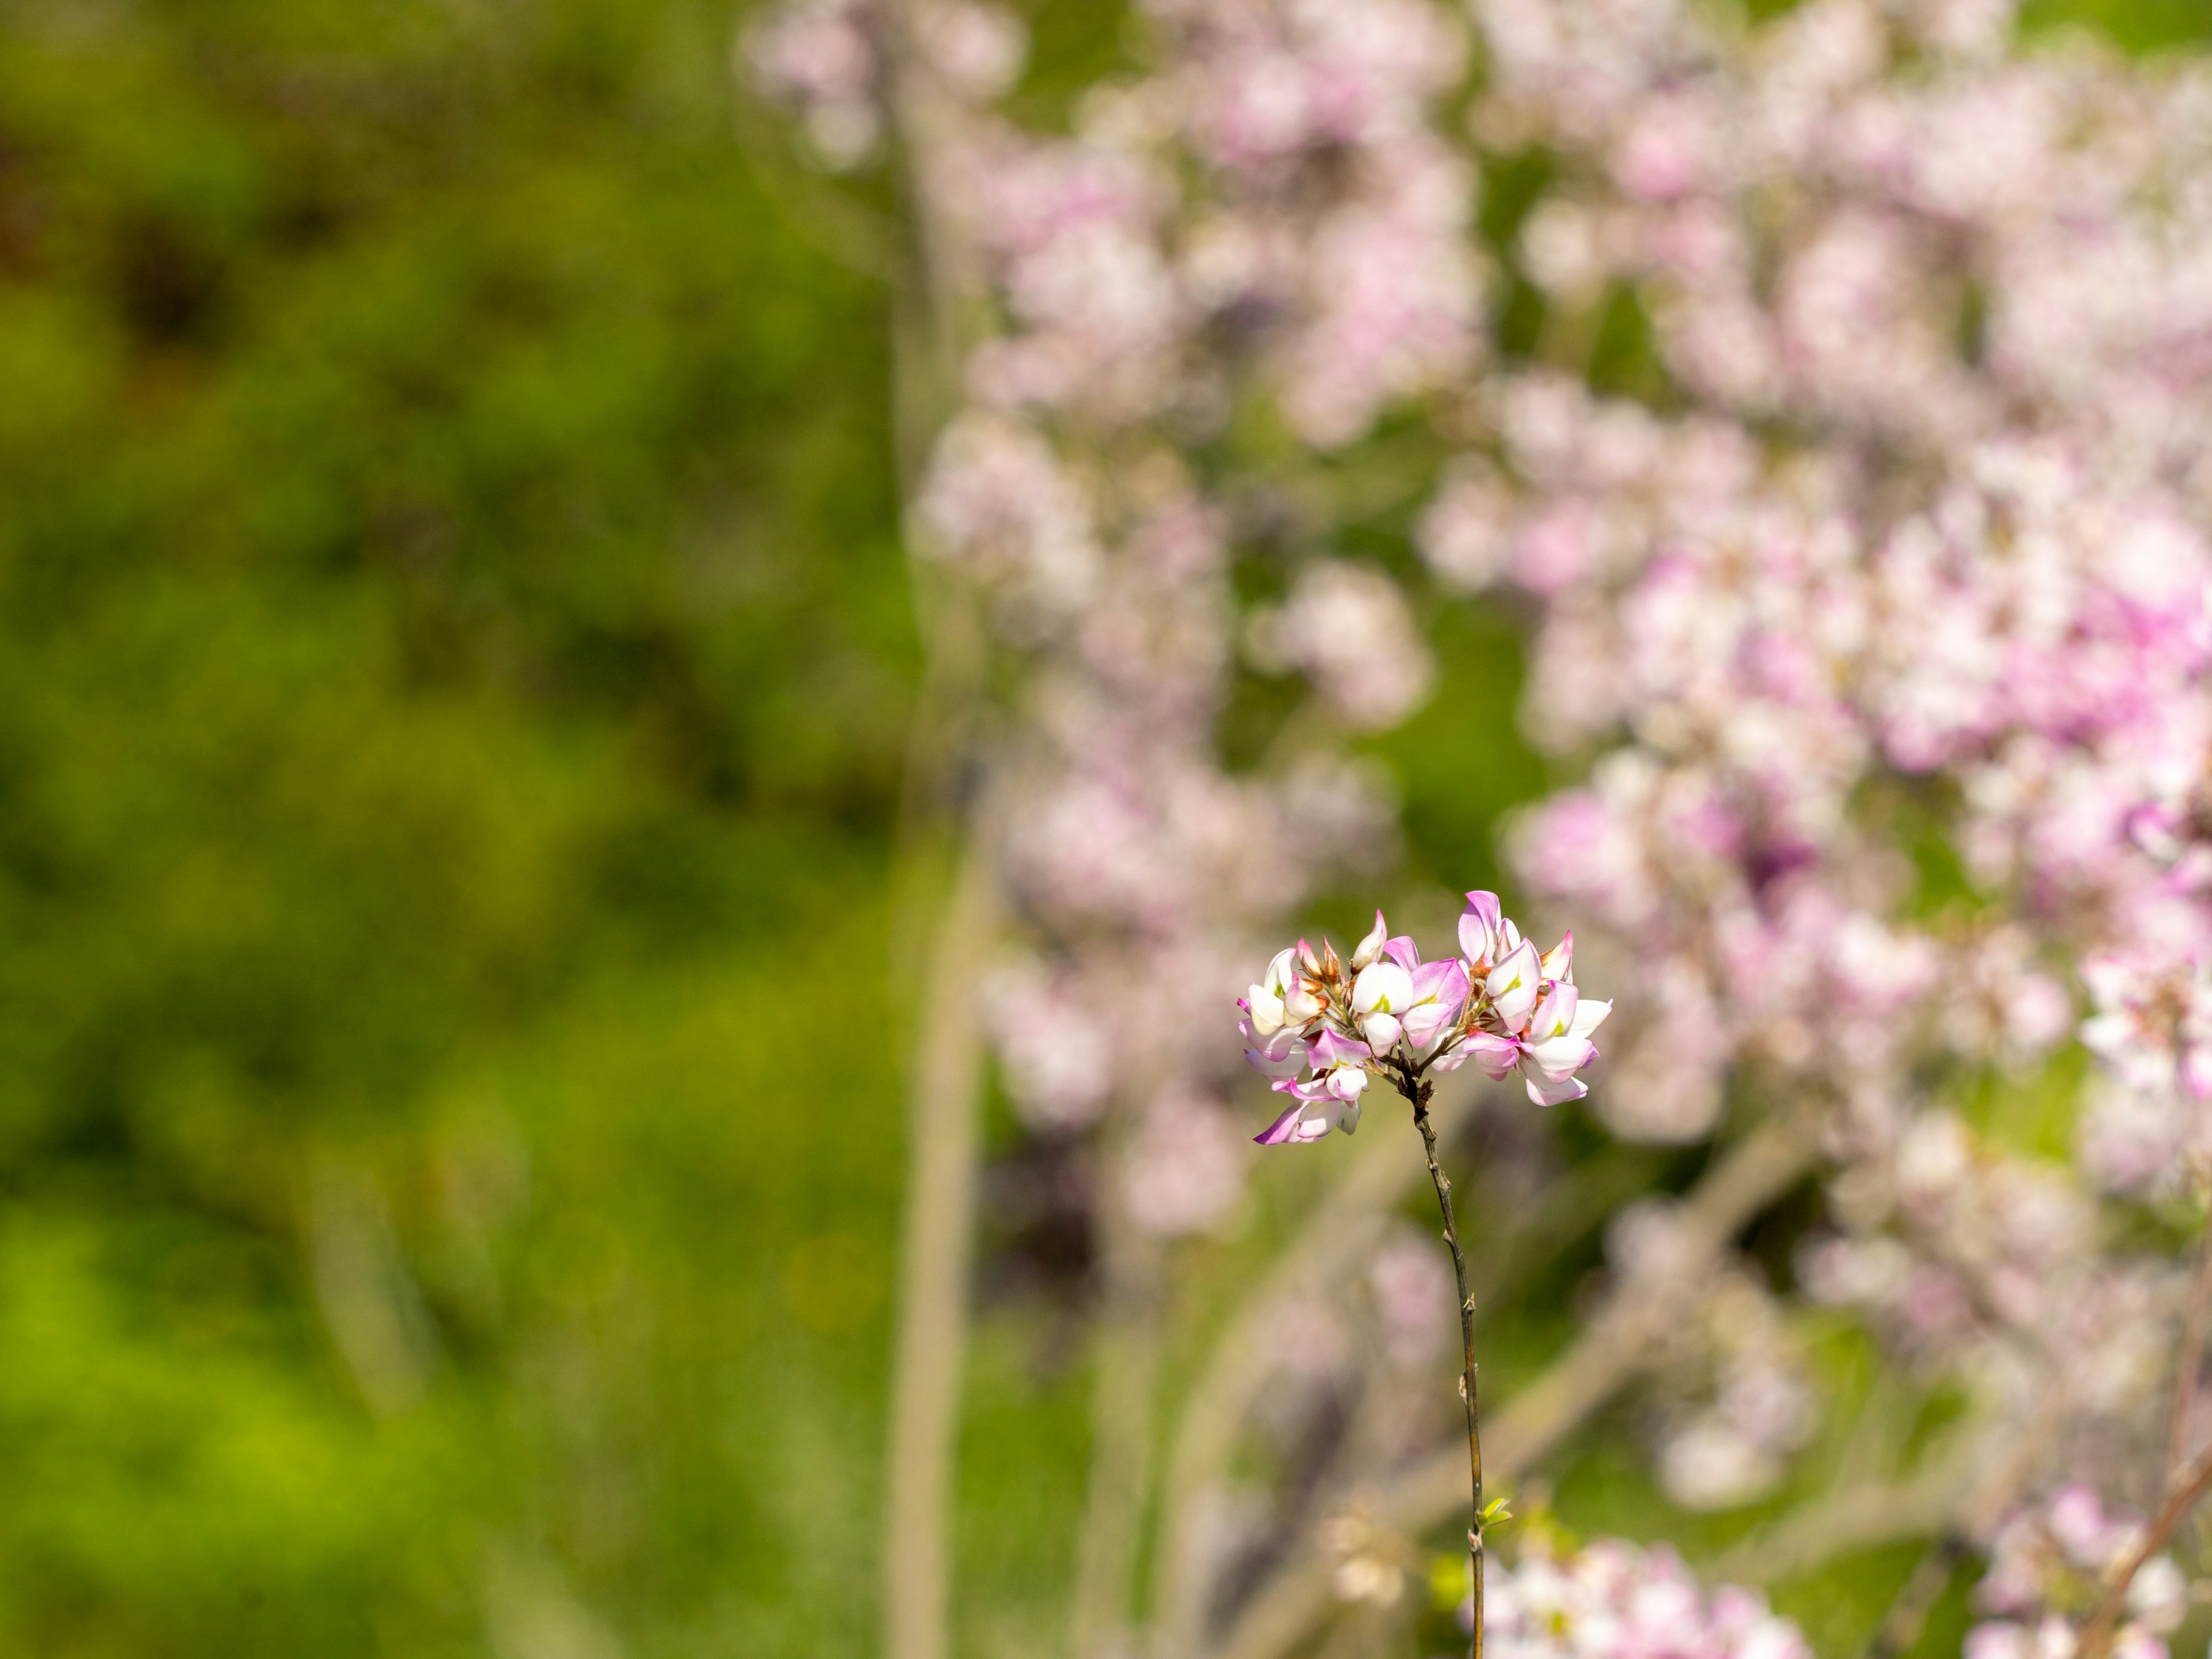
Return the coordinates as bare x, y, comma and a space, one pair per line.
1385, 1013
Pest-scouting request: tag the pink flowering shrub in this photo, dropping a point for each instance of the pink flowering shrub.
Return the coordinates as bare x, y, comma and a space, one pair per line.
1869, 622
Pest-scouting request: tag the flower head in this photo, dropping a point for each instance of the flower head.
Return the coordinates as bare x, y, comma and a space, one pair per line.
1322, 1027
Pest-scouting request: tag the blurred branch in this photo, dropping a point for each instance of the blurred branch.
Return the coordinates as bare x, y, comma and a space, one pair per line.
1129, 1341
1598, 1363
1961, 1492
1863, 1515
1619, 1339
933, 1250
2179, 1431
940, 310
944, 304
368, 1299
2186, 1490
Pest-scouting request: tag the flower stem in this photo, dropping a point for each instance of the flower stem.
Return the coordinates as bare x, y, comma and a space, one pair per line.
1419, 1095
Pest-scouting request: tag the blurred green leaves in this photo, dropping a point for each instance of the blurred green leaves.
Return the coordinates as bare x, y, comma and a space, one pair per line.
451, 632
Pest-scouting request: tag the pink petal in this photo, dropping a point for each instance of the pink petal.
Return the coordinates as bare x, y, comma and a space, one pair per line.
1589, 1016
1495, 1055
1444, 982
1512, 986
1426, 1021
1552, 1094
1557, 1058
1555, 1013
1478, 927
2196, 1070
1273, 1066
1331, 1051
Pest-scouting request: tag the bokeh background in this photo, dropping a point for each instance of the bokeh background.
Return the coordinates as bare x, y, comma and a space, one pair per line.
459, 662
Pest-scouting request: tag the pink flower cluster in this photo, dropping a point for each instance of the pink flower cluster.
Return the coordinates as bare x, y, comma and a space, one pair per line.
1387, 1014
1613, 1599
1339, 233
1888, 541
1883, 653
1345, 627
2046, 1567
1921, 559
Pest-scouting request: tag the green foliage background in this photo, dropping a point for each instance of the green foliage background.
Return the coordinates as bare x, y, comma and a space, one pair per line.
454, 666
453, 687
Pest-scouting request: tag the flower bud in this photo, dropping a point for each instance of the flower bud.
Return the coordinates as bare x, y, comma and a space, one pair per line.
1371, 947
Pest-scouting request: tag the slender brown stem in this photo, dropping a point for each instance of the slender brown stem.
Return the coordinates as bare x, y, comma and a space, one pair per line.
1419, 1095
2193, 1355
2180, 1499
1279, 1617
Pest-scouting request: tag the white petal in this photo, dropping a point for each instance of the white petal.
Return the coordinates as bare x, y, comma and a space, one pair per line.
1381, 1030
1559, 1057
1551, 1094
1383, 986
1371, 947
1266, 1009
1589, 1016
